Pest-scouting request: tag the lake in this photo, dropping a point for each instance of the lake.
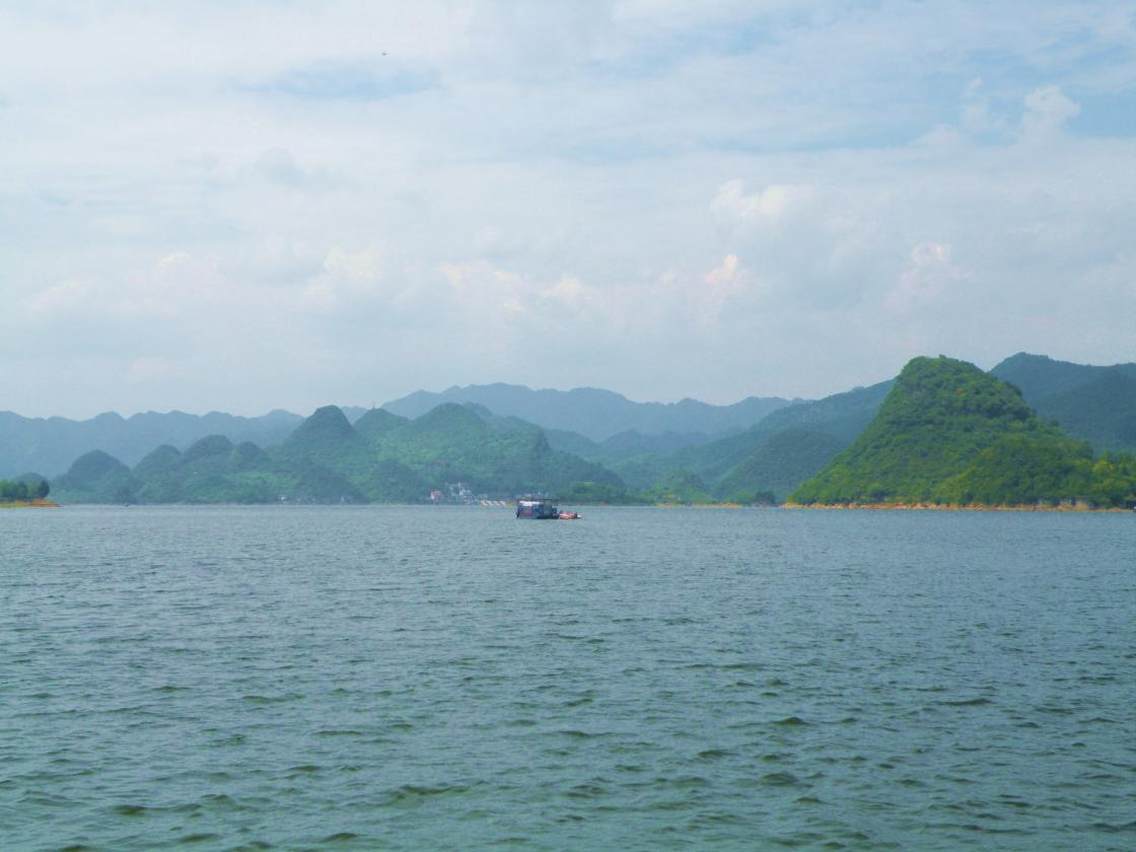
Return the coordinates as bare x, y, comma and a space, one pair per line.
452, 678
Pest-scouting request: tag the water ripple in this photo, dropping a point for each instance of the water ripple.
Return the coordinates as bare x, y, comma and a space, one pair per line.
398, 678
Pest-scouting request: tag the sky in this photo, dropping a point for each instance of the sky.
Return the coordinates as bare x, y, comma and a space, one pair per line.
249, 205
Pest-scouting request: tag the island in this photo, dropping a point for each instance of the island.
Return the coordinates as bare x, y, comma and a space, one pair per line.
29, 491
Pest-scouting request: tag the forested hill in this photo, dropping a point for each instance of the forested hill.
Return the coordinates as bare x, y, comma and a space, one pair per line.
51, 444
327, 459
1097, 404
653, 451
763, 463
948, 433
594, 413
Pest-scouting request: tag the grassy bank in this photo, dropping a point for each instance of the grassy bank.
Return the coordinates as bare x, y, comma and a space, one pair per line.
30, 504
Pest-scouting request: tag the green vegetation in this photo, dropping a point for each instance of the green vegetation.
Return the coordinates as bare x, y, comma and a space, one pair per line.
384, 458
96, 477
24, 489
950, 434
778, 465
760, 465
1096, 404
679, 487
947, 434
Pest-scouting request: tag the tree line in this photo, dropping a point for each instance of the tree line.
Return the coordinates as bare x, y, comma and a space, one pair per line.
12, 491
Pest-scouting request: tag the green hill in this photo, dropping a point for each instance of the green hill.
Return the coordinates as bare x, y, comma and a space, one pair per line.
493, 455
1095, 403
948, 433
779, 464
1102, 412
772, 457
95, 477
159, 476
384, 458
378, 421
679, 487
326, 427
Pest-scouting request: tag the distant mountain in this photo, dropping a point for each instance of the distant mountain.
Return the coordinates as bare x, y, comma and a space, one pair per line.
755, 447
500, 455
596, 414
794, 443
623, 445
779, 464
948, 433
774, 456
841, 416
327, 459
1039, 376
97, 475
50, 445
1097, 404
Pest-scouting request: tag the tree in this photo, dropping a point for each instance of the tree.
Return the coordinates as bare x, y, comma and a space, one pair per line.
13, 491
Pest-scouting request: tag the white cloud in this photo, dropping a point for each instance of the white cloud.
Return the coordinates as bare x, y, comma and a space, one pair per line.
363, 266
763, 207
571, 293
924, 279
149, 369
59, 298
643, 187
1047, 111
725, 274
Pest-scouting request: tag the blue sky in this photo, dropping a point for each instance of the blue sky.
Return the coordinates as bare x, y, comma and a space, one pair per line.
249, 205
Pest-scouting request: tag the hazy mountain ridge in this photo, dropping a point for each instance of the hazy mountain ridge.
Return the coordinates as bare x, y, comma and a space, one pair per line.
595, 413
1039, 376
1094, 403
624, 444
49, 445
326, 459
773, 456
842, 416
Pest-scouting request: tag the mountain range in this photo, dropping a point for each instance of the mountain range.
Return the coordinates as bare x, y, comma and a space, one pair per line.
50, 445
380, 458
764, 459
594, 413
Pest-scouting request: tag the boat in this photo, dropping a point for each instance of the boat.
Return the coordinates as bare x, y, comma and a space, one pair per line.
537, 510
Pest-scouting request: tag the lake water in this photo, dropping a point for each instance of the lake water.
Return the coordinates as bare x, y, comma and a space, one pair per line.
433, 678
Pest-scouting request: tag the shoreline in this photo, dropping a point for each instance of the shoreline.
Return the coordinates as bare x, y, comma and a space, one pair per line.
971, 507
873, 507
30, 504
